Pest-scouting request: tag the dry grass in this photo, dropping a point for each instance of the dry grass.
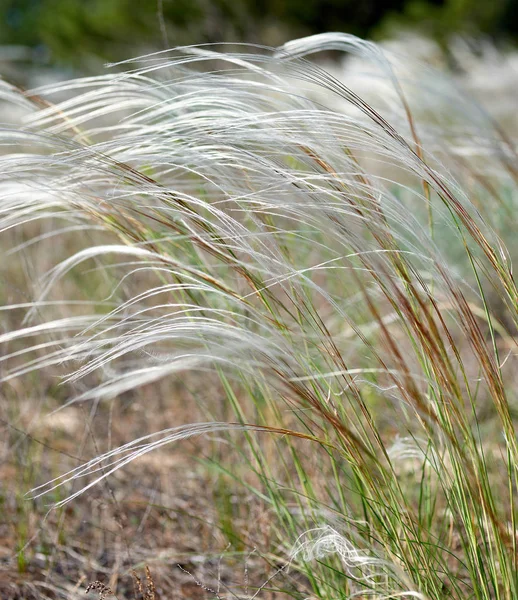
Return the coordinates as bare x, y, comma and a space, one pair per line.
168, 510
318, 304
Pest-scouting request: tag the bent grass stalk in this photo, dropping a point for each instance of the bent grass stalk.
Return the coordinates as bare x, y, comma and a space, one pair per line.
291, 247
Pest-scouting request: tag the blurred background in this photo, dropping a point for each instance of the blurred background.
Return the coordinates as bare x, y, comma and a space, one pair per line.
81, 35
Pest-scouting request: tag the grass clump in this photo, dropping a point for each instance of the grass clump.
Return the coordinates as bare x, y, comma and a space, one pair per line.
338, 266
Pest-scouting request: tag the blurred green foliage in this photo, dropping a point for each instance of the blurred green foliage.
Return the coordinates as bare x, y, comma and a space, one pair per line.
71, 31
471, 18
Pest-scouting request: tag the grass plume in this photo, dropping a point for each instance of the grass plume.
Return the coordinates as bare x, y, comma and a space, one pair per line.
339, 263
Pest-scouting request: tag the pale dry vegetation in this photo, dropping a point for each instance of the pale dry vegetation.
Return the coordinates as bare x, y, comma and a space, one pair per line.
258, 331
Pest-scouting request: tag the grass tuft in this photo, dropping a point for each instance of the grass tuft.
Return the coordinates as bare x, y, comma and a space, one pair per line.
341, 264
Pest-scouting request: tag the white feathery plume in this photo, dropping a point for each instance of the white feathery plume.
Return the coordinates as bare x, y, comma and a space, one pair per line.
368, 573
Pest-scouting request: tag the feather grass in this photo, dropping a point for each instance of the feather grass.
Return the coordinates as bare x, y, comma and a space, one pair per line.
298, 250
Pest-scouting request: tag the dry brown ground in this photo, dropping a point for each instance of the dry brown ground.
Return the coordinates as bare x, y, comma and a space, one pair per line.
169, 509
